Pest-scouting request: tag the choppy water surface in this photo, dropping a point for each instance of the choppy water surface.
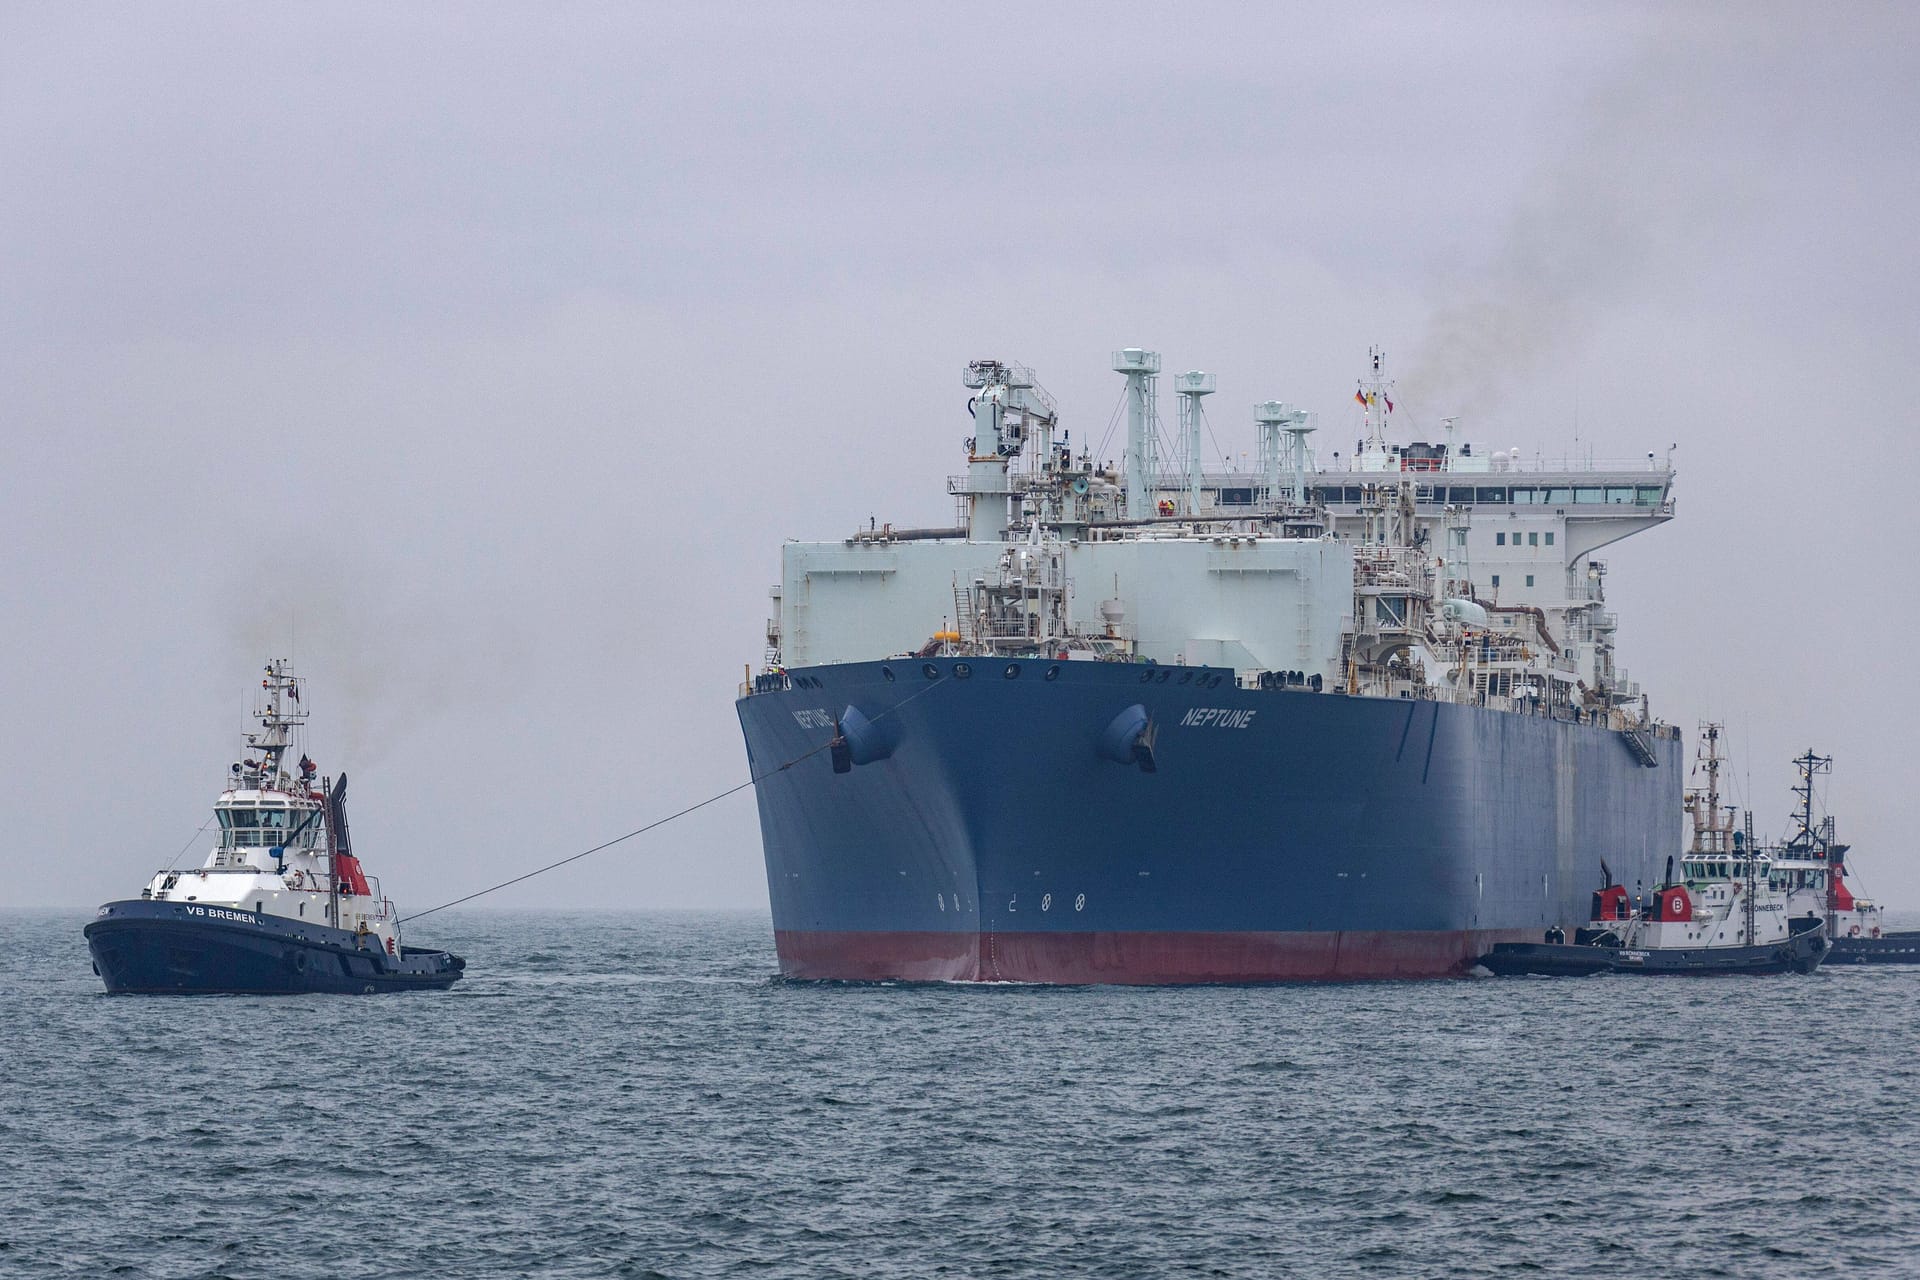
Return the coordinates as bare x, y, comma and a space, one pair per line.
634, 1095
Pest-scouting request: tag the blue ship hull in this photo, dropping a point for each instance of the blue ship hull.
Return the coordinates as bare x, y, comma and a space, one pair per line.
142, 946
986, 830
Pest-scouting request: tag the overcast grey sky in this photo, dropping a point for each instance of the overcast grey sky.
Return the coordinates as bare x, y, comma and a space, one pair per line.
483, 356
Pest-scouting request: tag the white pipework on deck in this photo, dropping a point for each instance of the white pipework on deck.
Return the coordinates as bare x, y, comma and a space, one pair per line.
1141, 369
1192, 385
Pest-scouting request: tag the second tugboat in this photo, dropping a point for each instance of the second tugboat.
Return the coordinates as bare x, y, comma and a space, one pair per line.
1812, 865
281, 905
1730, 913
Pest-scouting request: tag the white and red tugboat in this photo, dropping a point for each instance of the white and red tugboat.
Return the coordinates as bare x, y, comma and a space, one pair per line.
1812, 865
1730, 912
281, 905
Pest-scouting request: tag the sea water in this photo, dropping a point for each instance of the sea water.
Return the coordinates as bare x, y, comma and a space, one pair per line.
630, 1094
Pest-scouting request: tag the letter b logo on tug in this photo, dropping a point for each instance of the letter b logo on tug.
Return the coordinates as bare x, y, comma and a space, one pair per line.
1675, 906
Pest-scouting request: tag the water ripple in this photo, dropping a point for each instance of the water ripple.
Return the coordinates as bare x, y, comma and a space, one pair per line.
638, 1095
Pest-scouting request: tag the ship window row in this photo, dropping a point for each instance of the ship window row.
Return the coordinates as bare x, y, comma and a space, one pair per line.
256, 817
1645, 495
1533, 539
266, 838
1731, 868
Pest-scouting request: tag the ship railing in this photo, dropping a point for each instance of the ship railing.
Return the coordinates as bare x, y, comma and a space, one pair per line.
1511, 466
767, 682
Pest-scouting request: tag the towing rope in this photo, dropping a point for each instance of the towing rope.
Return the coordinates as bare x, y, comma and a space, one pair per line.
661, 822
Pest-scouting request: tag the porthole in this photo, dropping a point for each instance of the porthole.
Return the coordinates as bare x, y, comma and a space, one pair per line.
1166, 674
1012, 672
1186, 677
930, 671
887, 672
1053, 672
962, 670
1146, 675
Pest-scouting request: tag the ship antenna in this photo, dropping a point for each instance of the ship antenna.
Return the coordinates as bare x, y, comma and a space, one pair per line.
1810, 765
1376, 398
280, 711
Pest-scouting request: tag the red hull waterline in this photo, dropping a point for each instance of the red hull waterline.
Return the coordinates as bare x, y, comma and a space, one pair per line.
1134, 958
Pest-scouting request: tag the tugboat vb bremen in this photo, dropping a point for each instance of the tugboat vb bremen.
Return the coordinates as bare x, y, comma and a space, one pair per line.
281, 905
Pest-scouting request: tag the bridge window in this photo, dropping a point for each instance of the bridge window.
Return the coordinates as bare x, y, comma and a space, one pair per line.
1616, 494
1490, 495
1459, 494
1648, 495
1589, 495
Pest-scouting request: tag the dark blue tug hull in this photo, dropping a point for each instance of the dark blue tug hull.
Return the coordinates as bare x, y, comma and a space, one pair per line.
1888, 948
986, 830
1802, 953
141, 946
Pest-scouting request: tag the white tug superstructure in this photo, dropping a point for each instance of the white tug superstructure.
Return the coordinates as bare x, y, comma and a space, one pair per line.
280, 904
283, 847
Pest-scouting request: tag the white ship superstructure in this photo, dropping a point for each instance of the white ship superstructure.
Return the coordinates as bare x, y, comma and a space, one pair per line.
1421, 570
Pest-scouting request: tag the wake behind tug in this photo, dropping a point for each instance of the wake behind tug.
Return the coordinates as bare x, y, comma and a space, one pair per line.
280, 906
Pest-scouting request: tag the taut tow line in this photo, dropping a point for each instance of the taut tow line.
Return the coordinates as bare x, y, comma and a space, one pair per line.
661, 822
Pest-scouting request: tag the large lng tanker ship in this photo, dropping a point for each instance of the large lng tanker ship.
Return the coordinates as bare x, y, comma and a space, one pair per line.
1316, 718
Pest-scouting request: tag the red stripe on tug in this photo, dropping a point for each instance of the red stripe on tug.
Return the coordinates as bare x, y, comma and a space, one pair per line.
1133, 958
346, 869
